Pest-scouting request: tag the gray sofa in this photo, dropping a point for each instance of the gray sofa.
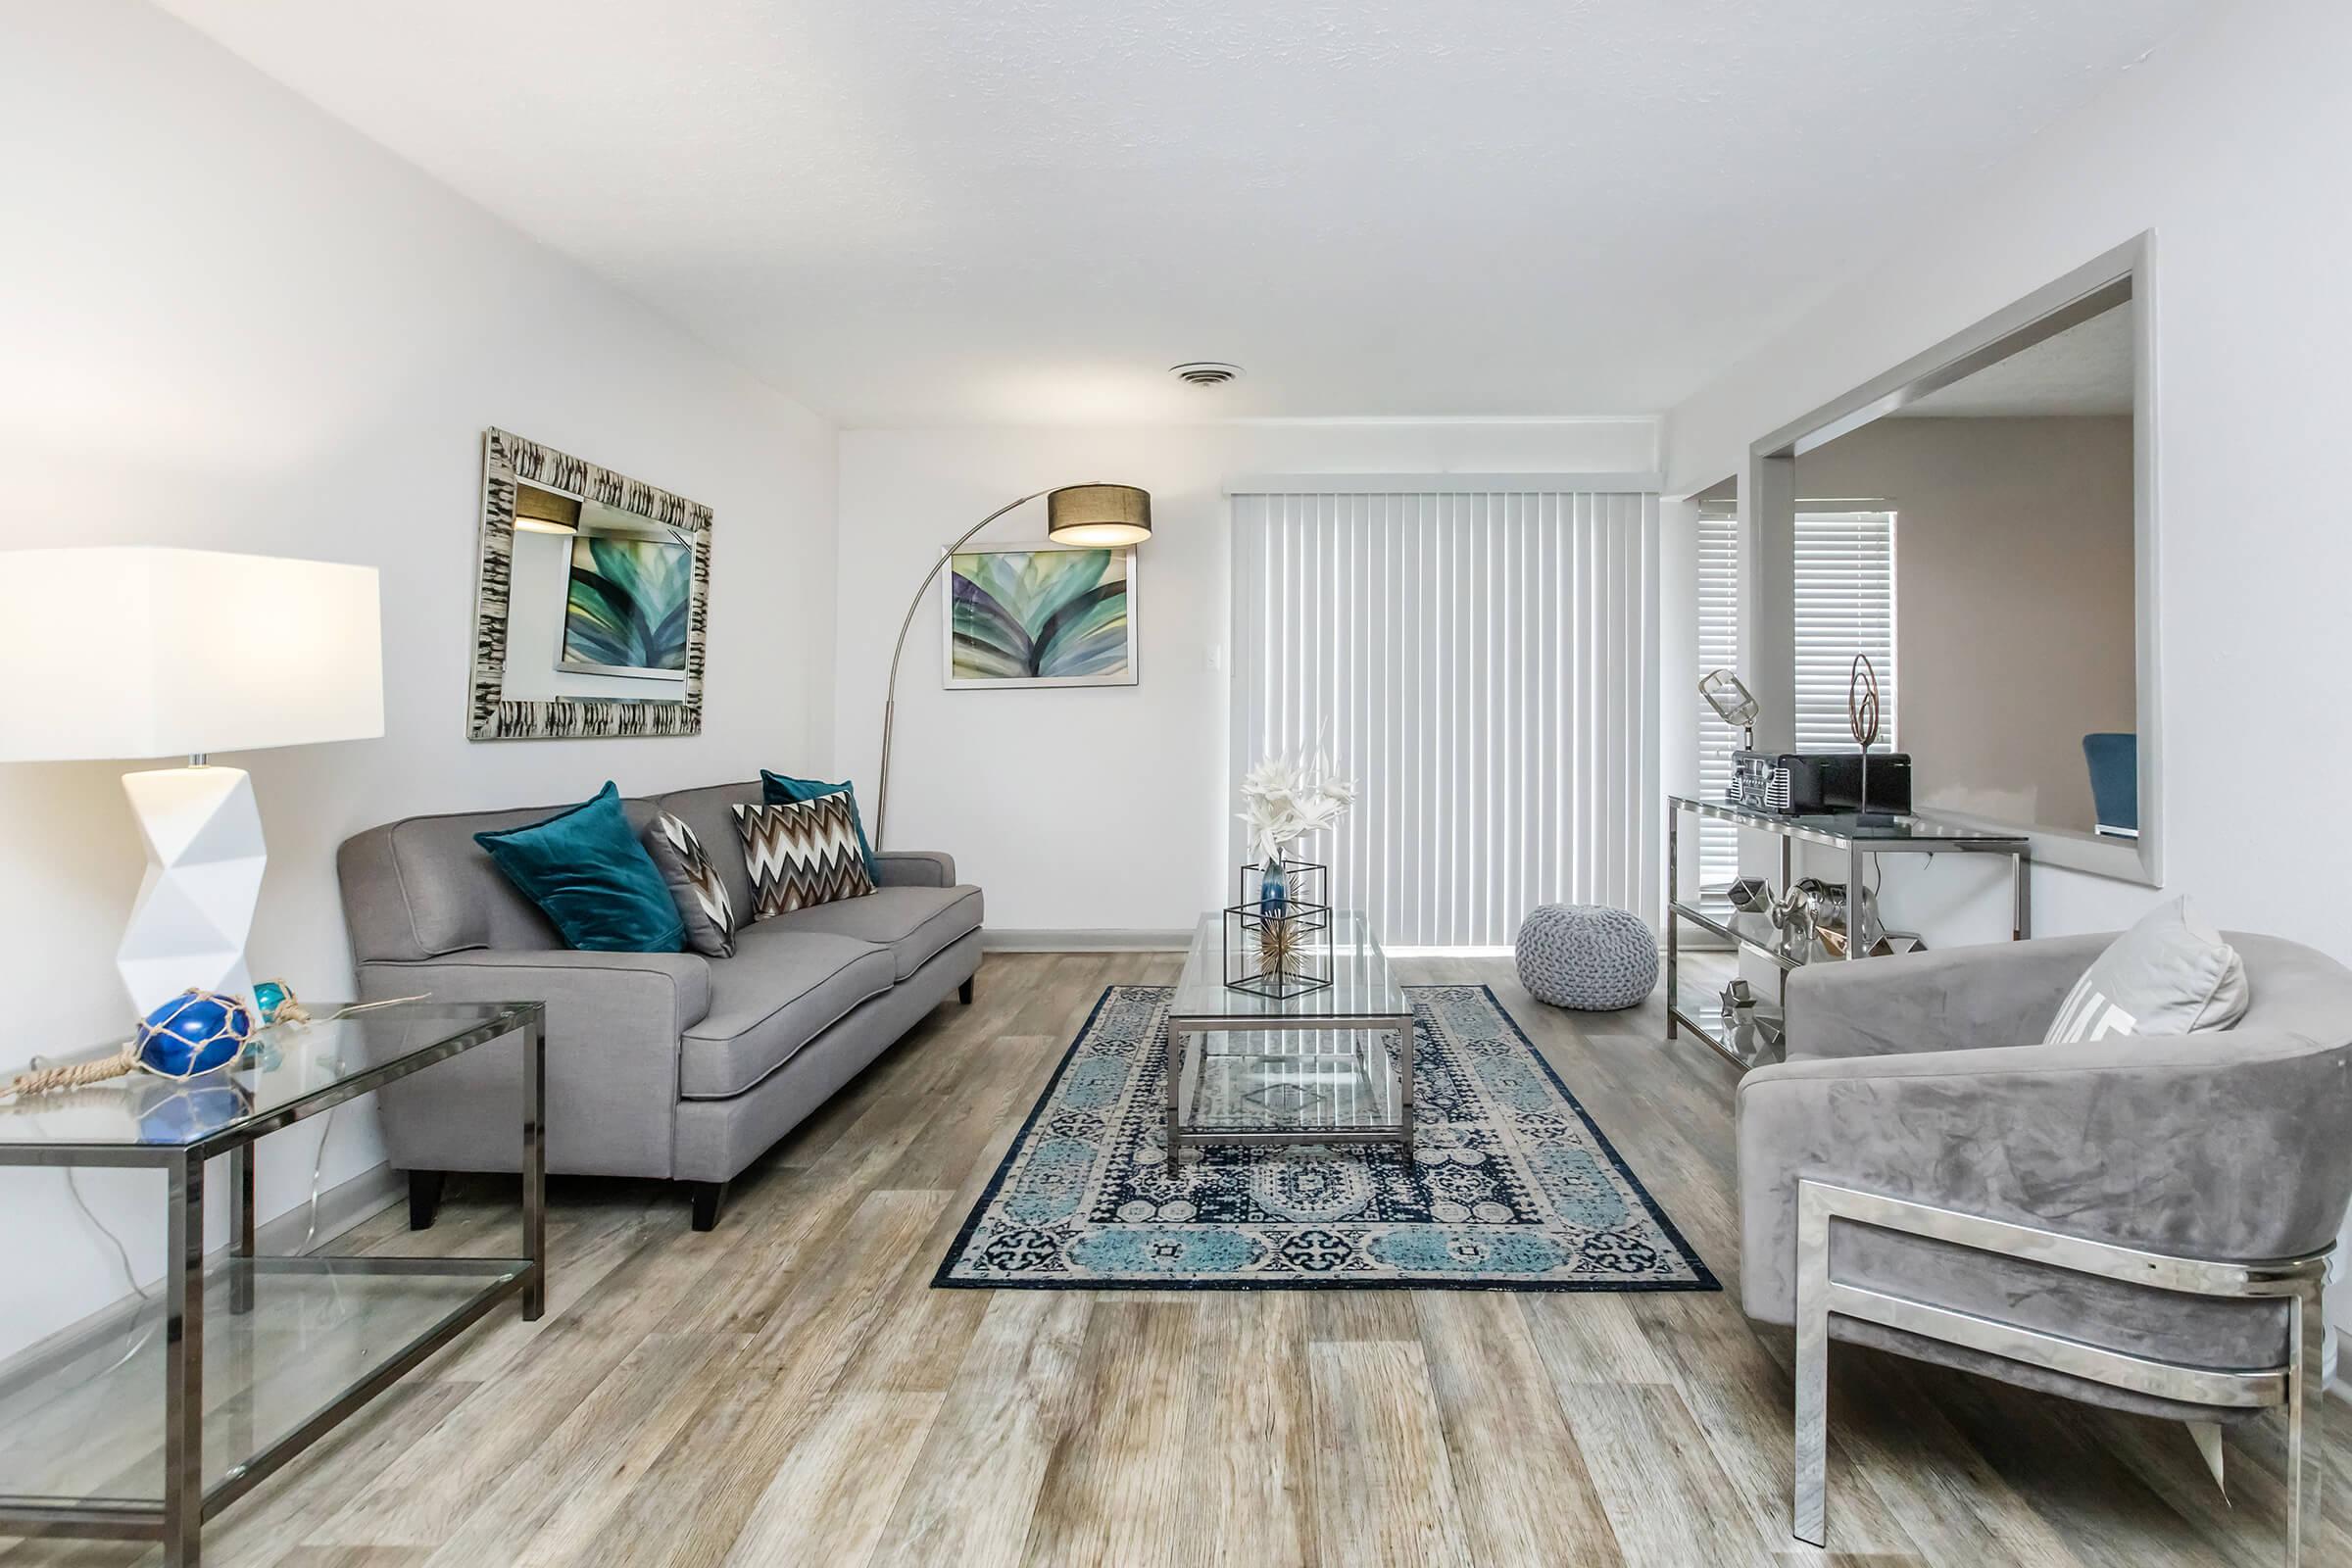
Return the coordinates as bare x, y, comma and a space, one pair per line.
2135, 1222
664, 1065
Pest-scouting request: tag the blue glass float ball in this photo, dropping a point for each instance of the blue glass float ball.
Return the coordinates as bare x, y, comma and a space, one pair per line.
196, 1031
269, 996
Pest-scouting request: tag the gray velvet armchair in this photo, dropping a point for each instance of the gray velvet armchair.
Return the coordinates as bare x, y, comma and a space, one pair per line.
2140, 1223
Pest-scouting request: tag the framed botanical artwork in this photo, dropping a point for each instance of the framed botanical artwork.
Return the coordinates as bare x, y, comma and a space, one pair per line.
629, 605
1040, 614
591, 601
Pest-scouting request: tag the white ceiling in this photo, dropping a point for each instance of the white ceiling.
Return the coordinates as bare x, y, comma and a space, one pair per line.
2084, 369
909, 211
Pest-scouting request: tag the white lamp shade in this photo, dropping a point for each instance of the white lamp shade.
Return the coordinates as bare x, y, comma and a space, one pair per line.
134, 651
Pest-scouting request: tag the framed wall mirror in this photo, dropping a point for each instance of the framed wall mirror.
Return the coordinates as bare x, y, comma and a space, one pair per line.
592, 597
1981, 521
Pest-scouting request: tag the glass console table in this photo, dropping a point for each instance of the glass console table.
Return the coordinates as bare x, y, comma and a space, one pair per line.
1311, 1069
154, 1419
1897, 835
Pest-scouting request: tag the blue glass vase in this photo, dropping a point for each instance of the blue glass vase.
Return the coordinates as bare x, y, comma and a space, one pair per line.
1274, 888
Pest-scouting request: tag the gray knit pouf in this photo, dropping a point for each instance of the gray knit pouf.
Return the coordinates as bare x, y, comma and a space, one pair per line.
1587, 956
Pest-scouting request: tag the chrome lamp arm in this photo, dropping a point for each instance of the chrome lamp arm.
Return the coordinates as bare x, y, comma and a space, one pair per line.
890, 693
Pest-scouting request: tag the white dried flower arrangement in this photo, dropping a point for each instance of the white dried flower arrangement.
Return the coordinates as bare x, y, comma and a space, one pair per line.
1284, 799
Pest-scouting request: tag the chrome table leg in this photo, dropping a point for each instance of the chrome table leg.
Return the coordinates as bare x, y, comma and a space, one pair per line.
1175, 1072
240, 1227
1853, 899
183, 1364
1405, 1041
1811, 1523
1673, 924
534, 1165
2306, 1419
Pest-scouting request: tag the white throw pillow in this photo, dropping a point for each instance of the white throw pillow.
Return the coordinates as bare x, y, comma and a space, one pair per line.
2171, 974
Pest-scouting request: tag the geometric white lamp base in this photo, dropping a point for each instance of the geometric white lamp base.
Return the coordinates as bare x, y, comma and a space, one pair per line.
204, 876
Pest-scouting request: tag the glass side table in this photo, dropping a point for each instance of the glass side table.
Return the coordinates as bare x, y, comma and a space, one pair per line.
151, 1422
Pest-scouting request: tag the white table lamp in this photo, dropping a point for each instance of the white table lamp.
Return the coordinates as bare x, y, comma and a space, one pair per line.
135, 651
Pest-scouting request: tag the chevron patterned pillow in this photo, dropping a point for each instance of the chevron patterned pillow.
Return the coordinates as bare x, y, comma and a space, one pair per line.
801, 852
694, 886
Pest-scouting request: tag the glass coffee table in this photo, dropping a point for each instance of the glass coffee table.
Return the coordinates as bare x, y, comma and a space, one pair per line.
1333, 1065
146, 1422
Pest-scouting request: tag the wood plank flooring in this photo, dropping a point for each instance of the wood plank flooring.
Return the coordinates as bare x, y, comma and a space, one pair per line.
788, 1389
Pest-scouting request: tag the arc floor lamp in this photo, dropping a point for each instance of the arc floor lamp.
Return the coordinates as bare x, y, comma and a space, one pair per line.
1096, 515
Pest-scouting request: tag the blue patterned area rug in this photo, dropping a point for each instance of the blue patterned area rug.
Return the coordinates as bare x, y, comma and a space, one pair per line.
1509, 1186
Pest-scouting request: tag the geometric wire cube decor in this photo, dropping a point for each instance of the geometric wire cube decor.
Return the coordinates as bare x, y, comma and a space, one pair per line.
1286, 955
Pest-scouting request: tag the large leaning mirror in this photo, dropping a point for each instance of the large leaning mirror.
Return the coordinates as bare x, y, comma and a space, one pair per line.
1980, 523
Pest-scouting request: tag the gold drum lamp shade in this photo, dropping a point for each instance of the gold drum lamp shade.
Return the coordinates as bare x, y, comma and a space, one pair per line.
1098, 515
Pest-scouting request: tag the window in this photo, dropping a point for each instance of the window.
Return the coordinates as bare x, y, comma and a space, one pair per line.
1846, 604
1718, 648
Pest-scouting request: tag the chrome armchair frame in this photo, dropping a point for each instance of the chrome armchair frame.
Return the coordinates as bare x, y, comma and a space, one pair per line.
2295, 1384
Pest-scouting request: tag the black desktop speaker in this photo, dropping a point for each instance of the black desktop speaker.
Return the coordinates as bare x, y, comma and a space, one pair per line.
1822, 782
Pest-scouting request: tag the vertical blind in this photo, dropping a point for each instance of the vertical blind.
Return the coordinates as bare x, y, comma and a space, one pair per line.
1846, 604
1483, 666
1718, 648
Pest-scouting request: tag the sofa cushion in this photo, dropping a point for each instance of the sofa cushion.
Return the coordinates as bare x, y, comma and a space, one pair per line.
780, 790
709, 811
781, 990
801, 854
586, 868
914, 923
2170, 974
421, 887
695, 885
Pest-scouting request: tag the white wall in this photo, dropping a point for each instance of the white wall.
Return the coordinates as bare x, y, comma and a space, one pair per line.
231, 323
2231, 145
1101, 808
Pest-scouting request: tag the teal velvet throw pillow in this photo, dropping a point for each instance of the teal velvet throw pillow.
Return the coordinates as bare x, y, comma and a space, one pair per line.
587, 871
782, 791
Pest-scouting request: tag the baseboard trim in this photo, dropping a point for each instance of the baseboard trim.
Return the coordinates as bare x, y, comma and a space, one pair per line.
340, 1208
999, 939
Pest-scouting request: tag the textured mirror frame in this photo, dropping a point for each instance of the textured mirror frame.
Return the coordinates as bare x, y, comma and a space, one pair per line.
490, 715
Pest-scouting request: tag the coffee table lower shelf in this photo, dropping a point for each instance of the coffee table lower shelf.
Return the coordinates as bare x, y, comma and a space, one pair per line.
1372, 1104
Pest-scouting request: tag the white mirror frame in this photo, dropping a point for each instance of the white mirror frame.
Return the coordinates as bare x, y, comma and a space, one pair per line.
1768, 516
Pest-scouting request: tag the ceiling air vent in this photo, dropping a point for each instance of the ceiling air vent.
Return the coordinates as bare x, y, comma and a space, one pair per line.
1207, 373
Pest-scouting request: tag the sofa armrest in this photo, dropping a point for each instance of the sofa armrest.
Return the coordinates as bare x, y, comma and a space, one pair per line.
2225, 1144
2003, 993
916, 868
613, 1025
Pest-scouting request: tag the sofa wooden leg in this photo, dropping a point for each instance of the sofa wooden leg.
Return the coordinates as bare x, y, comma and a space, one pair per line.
424, 1197
963, 993
708, 1196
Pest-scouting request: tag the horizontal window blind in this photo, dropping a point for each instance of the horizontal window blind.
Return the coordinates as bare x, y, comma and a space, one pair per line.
1483, 666
1845, 605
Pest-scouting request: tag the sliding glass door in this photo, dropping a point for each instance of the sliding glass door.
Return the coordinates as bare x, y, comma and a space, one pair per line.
1483, 664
